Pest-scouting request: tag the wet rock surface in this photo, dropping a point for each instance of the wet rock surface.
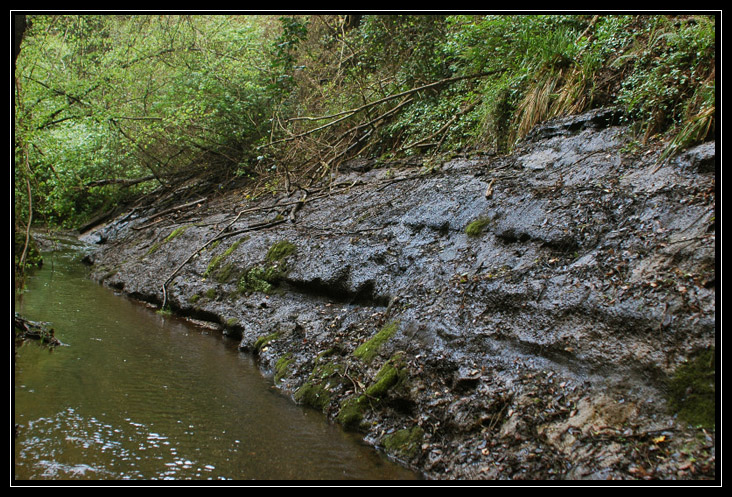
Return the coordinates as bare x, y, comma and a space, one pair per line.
513, 317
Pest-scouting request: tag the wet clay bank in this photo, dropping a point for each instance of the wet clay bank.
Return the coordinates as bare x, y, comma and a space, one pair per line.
522, 316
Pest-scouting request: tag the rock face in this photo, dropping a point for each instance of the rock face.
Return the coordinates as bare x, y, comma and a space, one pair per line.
496, 317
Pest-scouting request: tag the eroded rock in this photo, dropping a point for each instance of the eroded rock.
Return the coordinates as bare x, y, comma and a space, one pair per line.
536, 347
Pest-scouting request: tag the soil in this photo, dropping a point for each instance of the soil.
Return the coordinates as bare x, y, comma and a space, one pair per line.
488, 317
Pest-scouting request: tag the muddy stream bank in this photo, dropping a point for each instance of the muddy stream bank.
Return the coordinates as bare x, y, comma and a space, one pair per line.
493, 317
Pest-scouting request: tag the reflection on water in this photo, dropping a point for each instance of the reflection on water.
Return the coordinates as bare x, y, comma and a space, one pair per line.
136, 395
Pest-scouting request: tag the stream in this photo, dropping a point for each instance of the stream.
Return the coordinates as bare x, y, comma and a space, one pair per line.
135, 395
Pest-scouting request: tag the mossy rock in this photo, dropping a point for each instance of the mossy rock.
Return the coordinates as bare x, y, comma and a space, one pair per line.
476, 227
224, 274
352, 412
691, 390
282, 367
172, 236
389, 376
279, 251
405, 443
265, 278
313, 395
176, 233
368, 350
215, 263
263, 341
324, 377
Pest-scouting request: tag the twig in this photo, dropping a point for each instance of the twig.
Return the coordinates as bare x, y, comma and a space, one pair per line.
219, 236
348, 113
120, 181
176, 208
441, 130
489, 190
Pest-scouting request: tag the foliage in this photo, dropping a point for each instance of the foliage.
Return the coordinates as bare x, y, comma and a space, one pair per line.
101, 97
282, 101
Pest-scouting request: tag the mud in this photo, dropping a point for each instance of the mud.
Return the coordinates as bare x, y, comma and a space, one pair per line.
537, 344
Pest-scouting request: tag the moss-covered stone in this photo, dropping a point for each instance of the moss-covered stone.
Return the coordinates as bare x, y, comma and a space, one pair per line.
390, 374
282, 366
279, 251
213, 265
475, 228
173, 235
222, 275
265, 277
176, 233
405, 443
691, 392
313, 395
353, 410
154, 248
262, 342
325, 376
368, 350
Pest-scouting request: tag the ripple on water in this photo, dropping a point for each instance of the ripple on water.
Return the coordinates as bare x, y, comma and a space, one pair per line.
69, 445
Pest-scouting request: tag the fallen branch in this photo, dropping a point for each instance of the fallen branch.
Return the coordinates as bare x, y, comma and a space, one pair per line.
220, 236
27, 329
454, 118
351, 112
176, 208
120, 181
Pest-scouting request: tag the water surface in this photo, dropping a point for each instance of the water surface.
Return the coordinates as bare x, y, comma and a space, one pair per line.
136, 395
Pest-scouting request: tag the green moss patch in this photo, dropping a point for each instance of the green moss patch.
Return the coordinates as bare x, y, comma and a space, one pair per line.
266, 277
691, 392
282, 366
368, 350
404, 443
279, 251
476, 227
389, 376
262, 342
352, 411
213, 268
313, 395
176, 233
315, 392
173, 235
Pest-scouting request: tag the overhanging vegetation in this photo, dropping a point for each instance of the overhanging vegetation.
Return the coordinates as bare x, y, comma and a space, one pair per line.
110, 107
